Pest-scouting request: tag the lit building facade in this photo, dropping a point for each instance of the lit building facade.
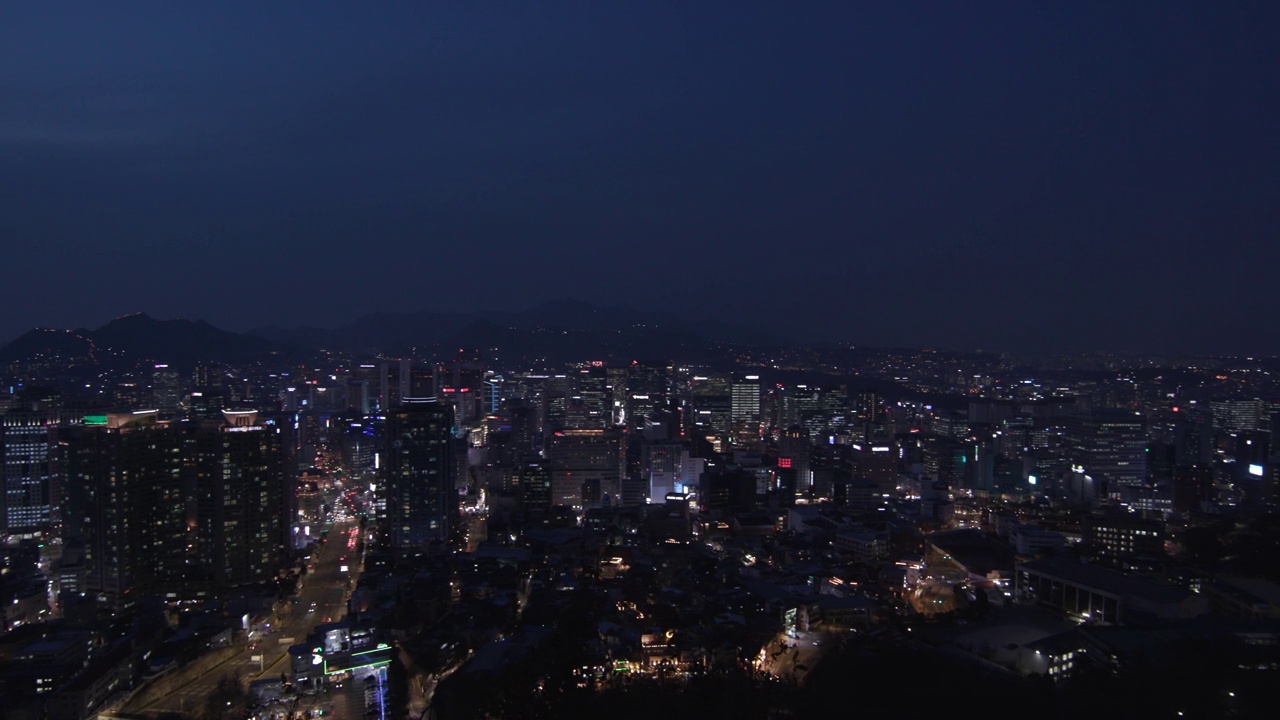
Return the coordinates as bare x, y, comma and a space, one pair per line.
157, 504
586, 468
744, 412
27, 446
418, 473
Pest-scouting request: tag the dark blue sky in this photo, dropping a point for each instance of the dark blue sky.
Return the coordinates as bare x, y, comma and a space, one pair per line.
1018, 175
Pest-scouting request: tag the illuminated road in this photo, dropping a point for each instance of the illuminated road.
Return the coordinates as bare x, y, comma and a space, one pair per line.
326, 585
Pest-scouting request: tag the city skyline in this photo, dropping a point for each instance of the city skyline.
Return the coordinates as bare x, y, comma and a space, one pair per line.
1078, 178
639, 359
283, 531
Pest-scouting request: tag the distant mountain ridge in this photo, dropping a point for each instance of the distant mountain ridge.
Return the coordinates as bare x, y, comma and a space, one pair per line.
556, 331
401, 332
136, 338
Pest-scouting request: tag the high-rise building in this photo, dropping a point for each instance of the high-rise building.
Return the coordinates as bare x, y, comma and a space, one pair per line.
131, 395
165, 388
877, 464
207, 396
493, 392
204, 404
1192, 487
394, 379
240, 499
365, 388
1110, 446
828, 464
27, 444
418, 462
422, 381
586, 468
980, 458
127, 504
588, 404
663, 467
359, 442
553, 396
157, 504
616, 379
800, 405
711, 405
1253, 468
648, 385
832, 415
869, 408
534, 481
1194, 435
1233, 416
744, 411
460, 382
794, 450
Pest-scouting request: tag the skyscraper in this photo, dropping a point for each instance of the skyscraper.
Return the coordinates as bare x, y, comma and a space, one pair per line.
460, 382
240, 499
744, 411
126, 505
589, 404
535, 486
157, 504
794, 450
393, 383
165, 389
26, 447
648, 385
711, 405
418, 467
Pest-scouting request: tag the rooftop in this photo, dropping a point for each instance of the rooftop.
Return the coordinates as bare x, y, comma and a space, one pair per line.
1108, 581
973, 549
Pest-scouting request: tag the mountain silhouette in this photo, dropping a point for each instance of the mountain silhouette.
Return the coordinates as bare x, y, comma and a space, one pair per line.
135, 338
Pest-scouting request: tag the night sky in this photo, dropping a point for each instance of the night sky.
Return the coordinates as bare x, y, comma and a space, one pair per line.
1016, 176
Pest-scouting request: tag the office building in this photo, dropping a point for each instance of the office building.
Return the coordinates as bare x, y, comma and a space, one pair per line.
586, 468
28, 450
534, 480
794, 471
648, 385
588, 404
1109, 446
165, 389
668, 468
1237, 416
744, 412
711, 405
1121, 538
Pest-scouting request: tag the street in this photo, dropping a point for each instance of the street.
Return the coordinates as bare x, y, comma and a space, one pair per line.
321, 598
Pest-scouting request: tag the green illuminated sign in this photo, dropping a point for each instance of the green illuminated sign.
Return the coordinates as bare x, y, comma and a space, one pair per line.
375, 664
93, 420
